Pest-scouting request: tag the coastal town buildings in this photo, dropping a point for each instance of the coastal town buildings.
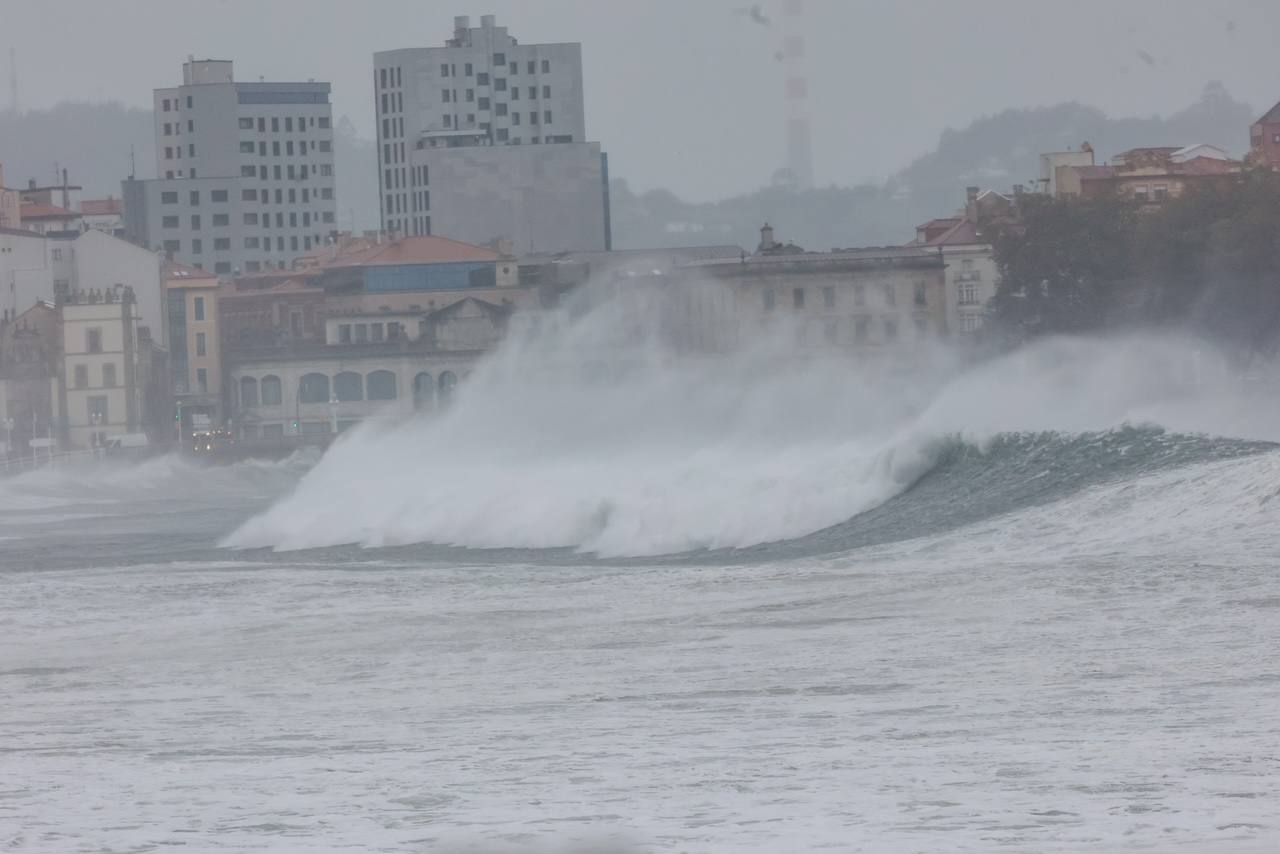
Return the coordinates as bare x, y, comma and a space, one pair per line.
484, 139
248, 177
863, 302
964, 242
1149, 175
365, 328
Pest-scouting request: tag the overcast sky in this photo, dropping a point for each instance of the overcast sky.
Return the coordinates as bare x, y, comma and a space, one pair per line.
686, 94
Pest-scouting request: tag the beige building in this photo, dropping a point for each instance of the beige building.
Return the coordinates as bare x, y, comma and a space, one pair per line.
366, 366
191, 299
102, 366
971, 276
858, 301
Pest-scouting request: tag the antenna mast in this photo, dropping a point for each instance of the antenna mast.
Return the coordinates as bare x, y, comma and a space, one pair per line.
799, 148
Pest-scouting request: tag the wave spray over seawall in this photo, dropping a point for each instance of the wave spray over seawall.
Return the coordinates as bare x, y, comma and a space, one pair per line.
592, 434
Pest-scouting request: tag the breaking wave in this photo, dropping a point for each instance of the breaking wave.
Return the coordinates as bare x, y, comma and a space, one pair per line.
582, 437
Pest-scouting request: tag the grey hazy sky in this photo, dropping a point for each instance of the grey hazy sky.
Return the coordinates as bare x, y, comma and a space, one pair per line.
686, 94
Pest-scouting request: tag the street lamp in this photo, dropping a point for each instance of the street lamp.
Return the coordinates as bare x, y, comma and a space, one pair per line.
8, 437
333, 414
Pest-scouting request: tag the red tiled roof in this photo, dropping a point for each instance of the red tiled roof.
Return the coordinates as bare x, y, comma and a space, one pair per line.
101, 206
38, 211
423, 249
947, 221
963, 232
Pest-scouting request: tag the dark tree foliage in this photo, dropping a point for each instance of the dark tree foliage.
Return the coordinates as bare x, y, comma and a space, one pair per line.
1207, 261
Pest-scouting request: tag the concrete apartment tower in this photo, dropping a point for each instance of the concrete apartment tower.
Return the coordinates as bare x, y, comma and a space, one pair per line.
484, 140
245, 172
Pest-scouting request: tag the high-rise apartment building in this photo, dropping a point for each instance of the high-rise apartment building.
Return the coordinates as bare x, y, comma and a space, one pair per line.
245, 172
484, 139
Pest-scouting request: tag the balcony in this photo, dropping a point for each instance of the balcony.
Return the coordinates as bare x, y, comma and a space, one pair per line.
967, 276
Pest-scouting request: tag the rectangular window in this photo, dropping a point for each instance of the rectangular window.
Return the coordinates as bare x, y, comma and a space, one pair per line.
166, 105
169, 222
169, 198
500, 84
98, 406
195, 198
246, 146
546, 117
324, 122
515, 93
109, 375
221, 244
191, 150
82, 376
921, 294
247, 171
250, 219
93, 340
197, 247
201, 345
172, 246
890, 296
326, 193
546, 66
828, 297
195, 222
198, 308
531, 66
533, 92
248, 195
246, 123
797, 297
444, 69
546, 91
221, 219
190, 102
344, 333
326, 171
515, 118
769, 300
499, 59
325, 145
502, 134
482, 79
375, 333
362, 333
251, 243
202, 380
533, 117
515, 68
288, 124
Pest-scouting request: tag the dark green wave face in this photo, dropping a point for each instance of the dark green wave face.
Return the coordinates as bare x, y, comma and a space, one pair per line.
969, 483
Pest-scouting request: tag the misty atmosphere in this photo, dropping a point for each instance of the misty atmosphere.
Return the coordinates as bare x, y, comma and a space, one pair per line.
640, 427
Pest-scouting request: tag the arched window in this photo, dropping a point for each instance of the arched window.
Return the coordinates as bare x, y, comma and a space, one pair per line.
448, 381
381, 385
314, 388
270, 390
348, 385
248, 392
424, 391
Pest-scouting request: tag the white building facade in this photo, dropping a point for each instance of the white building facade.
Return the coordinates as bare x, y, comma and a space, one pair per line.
463, 133
247, 176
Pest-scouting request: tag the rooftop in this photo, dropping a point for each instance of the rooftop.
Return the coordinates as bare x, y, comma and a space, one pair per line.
404, 251
38, 211
101, 206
